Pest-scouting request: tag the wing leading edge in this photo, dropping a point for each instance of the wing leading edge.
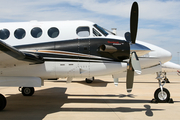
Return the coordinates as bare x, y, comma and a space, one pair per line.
19, 55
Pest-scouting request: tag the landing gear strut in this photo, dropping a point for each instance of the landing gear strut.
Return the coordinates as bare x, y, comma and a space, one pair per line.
27, 91
165, 78
161, 95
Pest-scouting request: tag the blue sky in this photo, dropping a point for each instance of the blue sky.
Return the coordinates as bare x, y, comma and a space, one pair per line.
159, 20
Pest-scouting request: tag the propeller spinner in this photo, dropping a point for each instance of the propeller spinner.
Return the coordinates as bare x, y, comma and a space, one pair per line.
133, 64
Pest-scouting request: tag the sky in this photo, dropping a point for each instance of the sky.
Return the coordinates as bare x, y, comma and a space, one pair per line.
159, 20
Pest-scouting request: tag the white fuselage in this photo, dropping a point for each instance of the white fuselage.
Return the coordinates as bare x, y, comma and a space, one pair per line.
67, 31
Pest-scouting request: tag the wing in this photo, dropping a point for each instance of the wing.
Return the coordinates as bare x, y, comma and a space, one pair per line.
170, 67
11, 56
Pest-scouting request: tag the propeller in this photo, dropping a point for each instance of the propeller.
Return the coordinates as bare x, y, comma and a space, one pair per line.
133, 64
134, 22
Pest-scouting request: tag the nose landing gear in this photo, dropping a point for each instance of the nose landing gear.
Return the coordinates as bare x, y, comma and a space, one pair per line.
161, 95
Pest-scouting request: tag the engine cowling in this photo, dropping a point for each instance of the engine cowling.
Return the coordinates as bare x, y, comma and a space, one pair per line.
117, 50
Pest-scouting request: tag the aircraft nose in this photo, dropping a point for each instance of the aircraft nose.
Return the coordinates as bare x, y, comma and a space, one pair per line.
139, 49
164, 55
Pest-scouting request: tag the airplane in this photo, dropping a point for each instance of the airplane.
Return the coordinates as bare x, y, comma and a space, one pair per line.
34, 51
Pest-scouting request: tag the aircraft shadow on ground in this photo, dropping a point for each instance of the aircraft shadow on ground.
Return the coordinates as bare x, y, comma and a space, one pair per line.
95, 83
48, 101
102, 83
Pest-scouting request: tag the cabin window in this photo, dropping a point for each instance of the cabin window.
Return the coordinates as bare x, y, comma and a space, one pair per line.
19, 33
96, 33
53, 32
83, 31
36, 32
4, 34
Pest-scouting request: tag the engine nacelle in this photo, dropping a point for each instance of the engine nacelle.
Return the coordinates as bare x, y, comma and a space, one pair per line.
116, 50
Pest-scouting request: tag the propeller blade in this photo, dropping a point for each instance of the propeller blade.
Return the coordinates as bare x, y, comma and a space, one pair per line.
129, 77
135, 63
134, 22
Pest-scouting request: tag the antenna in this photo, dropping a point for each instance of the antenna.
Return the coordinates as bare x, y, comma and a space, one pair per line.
114, 30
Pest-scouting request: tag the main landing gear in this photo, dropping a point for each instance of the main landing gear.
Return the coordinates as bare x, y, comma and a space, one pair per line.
161, 95
27, 91
89, 80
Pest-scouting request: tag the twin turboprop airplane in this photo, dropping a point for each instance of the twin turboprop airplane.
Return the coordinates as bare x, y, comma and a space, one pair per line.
32, 52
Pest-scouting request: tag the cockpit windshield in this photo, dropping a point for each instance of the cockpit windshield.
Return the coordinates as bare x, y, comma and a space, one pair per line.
102, 30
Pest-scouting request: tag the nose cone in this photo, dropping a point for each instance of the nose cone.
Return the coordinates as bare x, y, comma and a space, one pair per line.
164, 55
161, 54
157, 53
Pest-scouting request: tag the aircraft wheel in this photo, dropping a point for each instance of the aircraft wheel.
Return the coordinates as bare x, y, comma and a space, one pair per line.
28, 91
89, 80
162, 96
2, 102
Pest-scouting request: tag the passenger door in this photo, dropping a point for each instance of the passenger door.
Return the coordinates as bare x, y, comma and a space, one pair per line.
84, 51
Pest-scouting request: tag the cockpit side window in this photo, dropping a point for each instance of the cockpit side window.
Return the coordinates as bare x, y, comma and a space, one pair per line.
101, 29
96, 33
83, 31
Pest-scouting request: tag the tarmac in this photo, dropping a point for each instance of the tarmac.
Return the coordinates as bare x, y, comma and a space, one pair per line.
100, 100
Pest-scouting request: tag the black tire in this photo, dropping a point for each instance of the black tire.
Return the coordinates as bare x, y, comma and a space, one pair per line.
27, 91
89, 81
162, 99
3, 102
